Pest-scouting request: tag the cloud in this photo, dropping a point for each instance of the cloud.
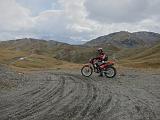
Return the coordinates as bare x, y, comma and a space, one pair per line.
51, 21
13, 17
64, 24
76, 21
125, 11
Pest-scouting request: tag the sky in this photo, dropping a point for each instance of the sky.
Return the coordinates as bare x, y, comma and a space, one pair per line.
76, 21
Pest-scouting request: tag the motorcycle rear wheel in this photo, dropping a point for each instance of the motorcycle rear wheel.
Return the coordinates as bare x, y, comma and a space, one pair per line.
86, 71
110, 72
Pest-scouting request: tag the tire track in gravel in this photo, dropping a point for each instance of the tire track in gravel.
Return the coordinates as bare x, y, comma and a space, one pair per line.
73, 97
139, 106
83, 97
24, 107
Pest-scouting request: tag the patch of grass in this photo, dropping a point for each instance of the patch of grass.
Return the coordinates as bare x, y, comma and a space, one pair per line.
7, 56
45, 62
154, 63
32, 61
6, 85
143, 58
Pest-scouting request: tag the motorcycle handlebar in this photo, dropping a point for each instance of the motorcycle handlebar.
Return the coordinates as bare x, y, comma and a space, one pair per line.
92, 60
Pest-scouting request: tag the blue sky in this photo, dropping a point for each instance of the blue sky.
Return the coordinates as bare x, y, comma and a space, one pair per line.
38, 6
76, 21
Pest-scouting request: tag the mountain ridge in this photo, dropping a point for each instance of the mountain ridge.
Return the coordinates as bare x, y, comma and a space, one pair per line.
36, 52
126, 39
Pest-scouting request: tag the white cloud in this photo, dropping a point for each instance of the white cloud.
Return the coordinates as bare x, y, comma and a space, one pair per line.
13, 17
51, 21
74, 21
66, 24
124, 11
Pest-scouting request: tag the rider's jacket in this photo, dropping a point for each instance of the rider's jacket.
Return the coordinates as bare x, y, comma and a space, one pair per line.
102, 57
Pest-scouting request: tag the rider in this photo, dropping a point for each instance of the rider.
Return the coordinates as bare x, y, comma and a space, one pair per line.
101, 58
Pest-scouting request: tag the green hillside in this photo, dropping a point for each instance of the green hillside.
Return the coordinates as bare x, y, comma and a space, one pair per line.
53, 49
147, 57
35, 53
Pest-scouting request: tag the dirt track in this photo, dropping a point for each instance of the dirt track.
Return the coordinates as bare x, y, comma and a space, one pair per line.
63, 96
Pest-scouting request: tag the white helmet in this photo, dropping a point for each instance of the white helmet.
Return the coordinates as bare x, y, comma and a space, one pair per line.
100, 50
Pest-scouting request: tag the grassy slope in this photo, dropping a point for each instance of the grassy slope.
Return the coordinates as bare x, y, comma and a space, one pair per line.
70, 53
41, 61
12, 58
50, 51
143, 58
7, 56
43, 55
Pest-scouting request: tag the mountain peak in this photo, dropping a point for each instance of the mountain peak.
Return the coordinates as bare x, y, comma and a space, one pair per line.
127, 39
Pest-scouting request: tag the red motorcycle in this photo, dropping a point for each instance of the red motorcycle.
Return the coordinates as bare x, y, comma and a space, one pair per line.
106, 68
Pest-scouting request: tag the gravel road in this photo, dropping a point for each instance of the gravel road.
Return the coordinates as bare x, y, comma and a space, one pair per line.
49, 95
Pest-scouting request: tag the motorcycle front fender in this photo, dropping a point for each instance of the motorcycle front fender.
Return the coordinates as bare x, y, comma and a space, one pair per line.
87, 65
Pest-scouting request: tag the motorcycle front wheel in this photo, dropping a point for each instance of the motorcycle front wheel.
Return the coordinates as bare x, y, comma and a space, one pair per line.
86, 71
110, 72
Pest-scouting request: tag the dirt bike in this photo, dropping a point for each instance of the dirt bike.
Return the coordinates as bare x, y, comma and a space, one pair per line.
106, 68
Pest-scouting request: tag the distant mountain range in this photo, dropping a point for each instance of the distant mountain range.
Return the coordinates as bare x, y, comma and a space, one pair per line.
37, 51
138, 47
125, 39
28, 44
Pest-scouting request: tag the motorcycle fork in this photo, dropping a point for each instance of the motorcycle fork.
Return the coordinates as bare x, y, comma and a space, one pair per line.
96, 69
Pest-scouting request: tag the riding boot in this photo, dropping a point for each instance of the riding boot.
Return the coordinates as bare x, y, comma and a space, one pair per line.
101, 73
